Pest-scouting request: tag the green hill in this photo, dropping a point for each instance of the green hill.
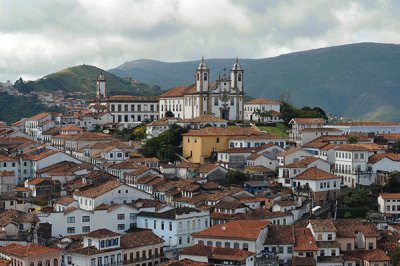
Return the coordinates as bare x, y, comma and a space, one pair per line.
83, 79
356, 80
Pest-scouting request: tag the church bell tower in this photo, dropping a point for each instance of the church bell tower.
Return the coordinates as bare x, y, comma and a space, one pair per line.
101, 86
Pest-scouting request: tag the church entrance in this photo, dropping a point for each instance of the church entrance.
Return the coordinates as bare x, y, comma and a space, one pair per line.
225, 114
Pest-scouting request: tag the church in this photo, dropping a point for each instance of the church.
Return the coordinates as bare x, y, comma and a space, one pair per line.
223, 99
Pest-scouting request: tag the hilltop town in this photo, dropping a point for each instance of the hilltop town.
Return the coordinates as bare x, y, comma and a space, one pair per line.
197, 176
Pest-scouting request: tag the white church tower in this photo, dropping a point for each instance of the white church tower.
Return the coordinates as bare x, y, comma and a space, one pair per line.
101, 86
237, 76
202, 77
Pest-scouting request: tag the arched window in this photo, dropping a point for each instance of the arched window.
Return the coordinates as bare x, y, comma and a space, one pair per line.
205, 76
39, 263
32, 264
55, 262
245, 246
47, 262
198, 76
240, 77
236, 245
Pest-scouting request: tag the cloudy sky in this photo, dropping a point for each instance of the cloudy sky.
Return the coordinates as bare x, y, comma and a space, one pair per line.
41, 37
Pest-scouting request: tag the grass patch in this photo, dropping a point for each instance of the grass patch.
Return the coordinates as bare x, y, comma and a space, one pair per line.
278, 130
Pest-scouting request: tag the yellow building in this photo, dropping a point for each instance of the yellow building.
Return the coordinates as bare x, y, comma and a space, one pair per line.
200, 144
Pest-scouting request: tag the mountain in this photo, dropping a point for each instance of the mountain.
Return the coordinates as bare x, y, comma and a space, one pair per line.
83, 79
357, 80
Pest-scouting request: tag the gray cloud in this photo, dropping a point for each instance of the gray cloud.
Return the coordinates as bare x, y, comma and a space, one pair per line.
41, 37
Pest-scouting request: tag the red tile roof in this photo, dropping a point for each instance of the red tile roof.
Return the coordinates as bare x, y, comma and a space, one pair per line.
377, 157
262, 101
315, 174
359, 147
28, 250
217, 253
223, 131
304, 240
374, 255
390, 195
102, 233
240, 229
99, 190
140, 239
308, 121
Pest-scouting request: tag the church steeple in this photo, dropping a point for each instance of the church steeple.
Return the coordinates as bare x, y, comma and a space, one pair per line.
101, 86
237, 76
202, 76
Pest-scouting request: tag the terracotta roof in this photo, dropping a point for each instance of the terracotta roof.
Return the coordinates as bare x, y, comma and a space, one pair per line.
359, 147
260, 137
38, 156
262, 101
223, 131
14, 216
290, 151
257, 169
391, 137
367, 124
322, 225
374, 255
38, 180
140, 239
304, 240
22, 189
231, 205
211, 186
86, 136
303, 163
102, 233
175, 92
240, 229
70, 128
95, 192
66, 200
204, 118
308, 121
314, 173
164, 121
28, 250
7, 159
217, 253
39, 116
377, 157
4, 262
280, 235
206, 168
303, 261
390, 195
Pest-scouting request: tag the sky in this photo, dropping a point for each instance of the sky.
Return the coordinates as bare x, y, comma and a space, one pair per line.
41, 37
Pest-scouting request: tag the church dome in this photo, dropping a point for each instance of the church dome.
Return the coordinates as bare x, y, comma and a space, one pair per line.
236, 66
101, 77
202, 64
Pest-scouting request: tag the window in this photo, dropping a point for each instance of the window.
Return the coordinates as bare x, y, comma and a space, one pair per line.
170, 226
99, 261
333, 252
322, 252
70, 230
155, 224
205, 76
227, 244
239, 77
209, 243
348, 246
93, 262
121, 226
289, 250
217, 140
218, 244
71, 219
162, 225
370, 245
121, 216
280, 250
245, 246
146, 224
329, 236
85, 219
85, 229
132, 216
180, 240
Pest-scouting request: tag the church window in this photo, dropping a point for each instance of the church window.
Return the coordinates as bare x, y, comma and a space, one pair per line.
205, 76
233, 101
112, 107
215, 100
240, 77
132, 107
198, 76
152, 108
119, 108
139, 108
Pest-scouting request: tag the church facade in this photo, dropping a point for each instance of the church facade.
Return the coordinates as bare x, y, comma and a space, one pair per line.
223, 99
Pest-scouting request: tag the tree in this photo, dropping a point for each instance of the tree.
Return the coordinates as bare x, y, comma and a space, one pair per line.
395, 148
396, 257
353, 139
235, 177
166, 146
169, 114
139, 132
258, 113
393, 184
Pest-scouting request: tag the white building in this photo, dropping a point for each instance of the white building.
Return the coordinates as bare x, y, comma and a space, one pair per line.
251, 141
223, 99
110, 192
244, 234
351, 163
299, 124
368, 127
253, 108
389, 204
175, 226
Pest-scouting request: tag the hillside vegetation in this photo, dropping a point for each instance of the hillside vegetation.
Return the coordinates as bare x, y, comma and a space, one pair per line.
357, 80
83, 79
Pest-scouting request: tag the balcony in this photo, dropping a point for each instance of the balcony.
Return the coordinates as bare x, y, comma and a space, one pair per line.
141, 259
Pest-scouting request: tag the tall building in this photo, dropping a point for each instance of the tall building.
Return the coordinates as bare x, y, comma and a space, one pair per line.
124, 108
223, 99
